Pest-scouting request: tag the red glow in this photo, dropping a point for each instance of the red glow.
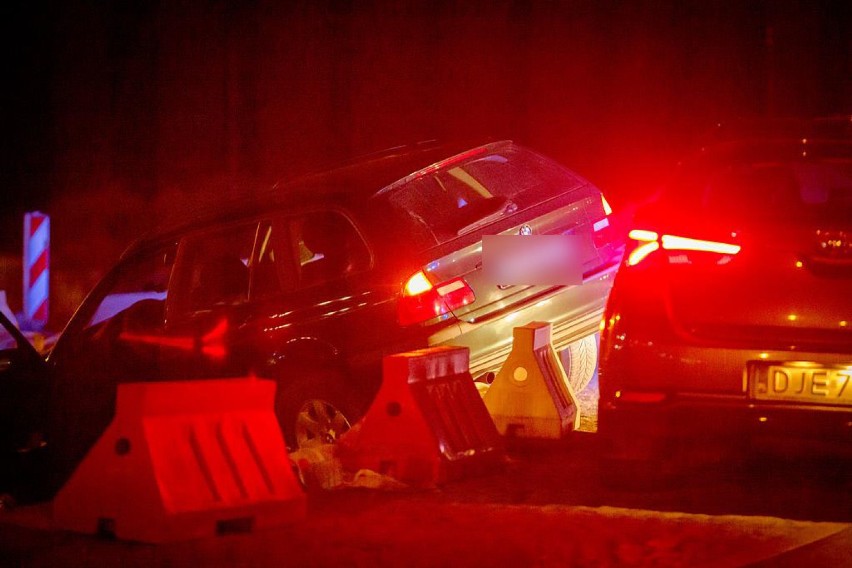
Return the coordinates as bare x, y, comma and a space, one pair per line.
641, 397
212, 344
185, 343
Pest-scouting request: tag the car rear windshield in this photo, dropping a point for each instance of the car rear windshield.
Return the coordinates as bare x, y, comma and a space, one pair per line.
819, 189
474, 189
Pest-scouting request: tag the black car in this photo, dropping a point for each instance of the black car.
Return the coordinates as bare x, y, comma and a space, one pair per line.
729, 328
313, 285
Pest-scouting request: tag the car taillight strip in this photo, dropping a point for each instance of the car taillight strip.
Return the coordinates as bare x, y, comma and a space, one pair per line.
671, 242
643, 235
639, 253
650, 241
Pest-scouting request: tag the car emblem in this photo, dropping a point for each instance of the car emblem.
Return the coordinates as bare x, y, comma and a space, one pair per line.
525, 230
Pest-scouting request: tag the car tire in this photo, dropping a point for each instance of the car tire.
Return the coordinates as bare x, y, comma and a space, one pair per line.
316, 409
580, 360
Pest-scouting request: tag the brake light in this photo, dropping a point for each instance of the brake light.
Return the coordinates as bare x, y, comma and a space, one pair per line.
421, 300
670, 242
650, 241
417, 284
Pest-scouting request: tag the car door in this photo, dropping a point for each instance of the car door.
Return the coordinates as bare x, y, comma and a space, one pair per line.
332, 309
210, 304
23, 394
115, 336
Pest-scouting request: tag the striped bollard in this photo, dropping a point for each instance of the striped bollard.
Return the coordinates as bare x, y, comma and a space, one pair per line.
36, 269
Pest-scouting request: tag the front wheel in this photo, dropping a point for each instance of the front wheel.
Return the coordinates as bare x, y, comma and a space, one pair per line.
319, 421
316, 410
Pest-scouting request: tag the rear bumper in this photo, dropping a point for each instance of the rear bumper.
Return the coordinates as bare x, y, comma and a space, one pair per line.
574, 312
660, 399
698, 430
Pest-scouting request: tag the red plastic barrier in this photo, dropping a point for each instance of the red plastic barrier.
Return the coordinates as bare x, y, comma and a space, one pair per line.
184, 460
530, 397
428, 423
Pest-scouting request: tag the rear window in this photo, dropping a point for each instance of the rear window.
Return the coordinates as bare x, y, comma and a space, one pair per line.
783, 190
471, 191
768, 190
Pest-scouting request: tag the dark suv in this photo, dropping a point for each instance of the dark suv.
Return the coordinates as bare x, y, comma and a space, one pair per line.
314, 285
728, 327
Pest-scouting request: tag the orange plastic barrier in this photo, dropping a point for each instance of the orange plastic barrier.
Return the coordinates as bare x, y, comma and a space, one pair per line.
530, 397
427, 424
184, 460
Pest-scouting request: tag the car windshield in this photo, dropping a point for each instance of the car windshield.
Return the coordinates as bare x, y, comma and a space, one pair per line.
470, 191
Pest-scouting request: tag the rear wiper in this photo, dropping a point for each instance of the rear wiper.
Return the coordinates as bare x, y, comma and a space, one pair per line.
505, 207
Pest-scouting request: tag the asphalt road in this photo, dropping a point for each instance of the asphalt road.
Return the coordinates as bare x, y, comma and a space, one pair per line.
547, 506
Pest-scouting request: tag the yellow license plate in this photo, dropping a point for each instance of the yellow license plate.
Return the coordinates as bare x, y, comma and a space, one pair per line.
804, 383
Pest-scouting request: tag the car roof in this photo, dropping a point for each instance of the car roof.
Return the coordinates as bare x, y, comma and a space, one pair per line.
832, 128
775, 139
350, 185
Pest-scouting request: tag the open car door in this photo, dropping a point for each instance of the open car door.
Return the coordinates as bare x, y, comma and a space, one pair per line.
24, 388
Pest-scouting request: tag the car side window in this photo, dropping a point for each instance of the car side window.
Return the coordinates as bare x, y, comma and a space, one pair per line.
138, 293
215, 268
327, 247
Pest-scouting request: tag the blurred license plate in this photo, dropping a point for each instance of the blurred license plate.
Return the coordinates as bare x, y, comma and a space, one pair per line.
804, 383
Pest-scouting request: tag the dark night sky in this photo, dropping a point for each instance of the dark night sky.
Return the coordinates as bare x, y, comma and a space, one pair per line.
130, 101
150, 94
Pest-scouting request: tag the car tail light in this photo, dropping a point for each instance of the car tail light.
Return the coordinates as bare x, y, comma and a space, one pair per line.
646, 242
421, 300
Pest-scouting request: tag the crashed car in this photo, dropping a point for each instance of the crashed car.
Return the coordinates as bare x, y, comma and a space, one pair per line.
312, 285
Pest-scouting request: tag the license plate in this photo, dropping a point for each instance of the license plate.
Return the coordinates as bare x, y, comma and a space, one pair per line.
804, 383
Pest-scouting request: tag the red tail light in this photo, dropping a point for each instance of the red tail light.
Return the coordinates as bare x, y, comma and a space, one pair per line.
646, 242
421, 300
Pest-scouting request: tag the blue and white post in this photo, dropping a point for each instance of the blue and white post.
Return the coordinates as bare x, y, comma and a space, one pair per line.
36, 270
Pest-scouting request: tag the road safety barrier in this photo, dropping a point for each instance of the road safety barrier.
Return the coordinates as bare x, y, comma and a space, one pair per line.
530, 397
36, 270
427, 424
185, 460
